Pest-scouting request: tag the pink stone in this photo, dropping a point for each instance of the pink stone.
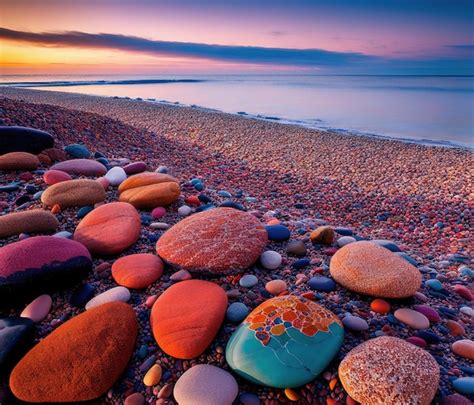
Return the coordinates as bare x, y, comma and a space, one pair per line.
134, 168
26, 176
414, 319
55, 176
429, 312
38, 309
150, 300
276, 287
158, 212
463, 292
181, 275
417, 341
103, 182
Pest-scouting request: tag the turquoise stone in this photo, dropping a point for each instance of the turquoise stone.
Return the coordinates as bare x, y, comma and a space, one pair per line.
288, 359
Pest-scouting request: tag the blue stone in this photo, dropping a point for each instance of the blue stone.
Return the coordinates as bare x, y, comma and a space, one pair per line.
224, 194
409, 259
232, 204
77, 151
195, 181
278, 233
464, 385
16, 336
98, 154
82, 295
250, 199
434, 284
466, 272
430, 337
321, 283
142, 352
30, 189
38, 195
249, 280
84, 211
63, 234
355, 323
387, 244
10, 187
301, 263
249, 399
343, 231
205, 207
204, 198
237, 312
300, 206
104, 162
199, 186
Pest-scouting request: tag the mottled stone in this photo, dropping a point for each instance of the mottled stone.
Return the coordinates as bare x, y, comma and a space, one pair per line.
32, 221
73, 193
18, 161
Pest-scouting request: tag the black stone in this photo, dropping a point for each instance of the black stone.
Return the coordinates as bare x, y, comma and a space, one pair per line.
22, 139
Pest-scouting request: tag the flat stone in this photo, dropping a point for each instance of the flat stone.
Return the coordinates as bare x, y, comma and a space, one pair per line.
135, 167
97, 345
248, 281
55, 176
73, 193
31, 221
464, 385
23, 139
137, 270
206, 384
464, 348
429, 312
296, 248
77, 151
355, 323
146, 179
85, 167
151, 196
387, 370
414, 319
285, 342
18, 161
216, 241
38, 309
321, 283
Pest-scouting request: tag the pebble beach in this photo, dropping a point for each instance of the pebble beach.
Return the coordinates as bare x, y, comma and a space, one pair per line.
357, 252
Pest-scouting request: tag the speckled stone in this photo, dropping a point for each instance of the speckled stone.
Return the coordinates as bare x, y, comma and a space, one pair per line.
414, 319
464, 348
370, 269
73, 193
215, 241
31, 221
387, 370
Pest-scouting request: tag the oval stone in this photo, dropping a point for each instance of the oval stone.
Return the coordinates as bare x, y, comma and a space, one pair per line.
215, 241
114, 294
24, 139
97, 345
18, 161
186, 317
135, 167
115, 176
38, 309
370, 269
49, 262
285, 342
85, 167
388, 370
55, 176
138, 270
146, 179
464, 348
32, 221
73, 193
414, 319
206, 384
152, 196
109, 229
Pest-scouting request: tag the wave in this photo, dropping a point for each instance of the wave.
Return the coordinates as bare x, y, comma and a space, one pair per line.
98, 82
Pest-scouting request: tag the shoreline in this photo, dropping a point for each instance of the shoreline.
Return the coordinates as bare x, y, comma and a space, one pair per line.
274, 119
415, 196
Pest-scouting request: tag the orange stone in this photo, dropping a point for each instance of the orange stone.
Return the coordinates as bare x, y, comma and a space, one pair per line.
138, 270
464, 348
109, 229
455, 328
187, 316
146, 179
152, 196
31, 221
380, 306
81, 359
18, 161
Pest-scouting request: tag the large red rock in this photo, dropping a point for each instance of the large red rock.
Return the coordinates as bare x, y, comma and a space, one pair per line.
74, 193
187, 316
152, 196
32, 221
138, 270
86, 167
80, 360
37, 264
109, 229
145, 179
370, 269
18, 161
216, 241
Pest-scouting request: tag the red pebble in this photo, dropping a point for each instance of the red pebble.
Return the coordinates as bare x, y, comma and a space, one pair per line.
193, 200
417, 341
463, 292
26, 176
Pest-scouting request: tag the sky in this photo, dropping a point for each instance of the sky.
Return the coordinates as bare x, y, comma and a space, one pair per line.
218, 36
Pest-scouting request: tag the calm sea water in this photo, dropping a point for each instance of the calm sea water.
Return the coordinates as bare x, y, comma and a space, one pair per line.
421, 108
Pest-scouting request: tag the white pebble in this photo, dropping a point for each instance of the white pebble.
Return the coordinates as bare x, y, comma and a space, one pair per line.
159, 225
116, 176
270, 259
184, 210
467, 311
345, 240
112, 295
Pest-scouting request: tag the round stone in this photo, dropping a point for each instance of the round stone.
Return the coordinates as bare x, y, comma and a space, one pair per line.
206, 384
380, 306
31, 221
387, 370
468, 311
270, 259
345, 240
321, 283
154, 195
455, 328
464, 348
276, 287
216, 241
296, 248
138, 270
77, 151
370, 269
158, 212
248, 281
324, 235
85, 167
50, 262
109, 229
18, 161
434, 284
355, 323
184, 211
285, 342
97, 345
73, 193
23, 139
278, 233
187, 316
237, 312
55, 176
114, 294
414, 319
38, 309
115, 176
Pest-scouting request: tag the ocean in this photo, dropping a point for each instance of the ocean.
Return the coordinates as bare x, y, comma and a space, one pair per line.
428, 109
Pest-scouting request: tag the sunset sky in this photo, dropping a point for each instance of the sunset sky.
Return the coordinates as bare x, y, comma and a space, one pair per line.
210, 36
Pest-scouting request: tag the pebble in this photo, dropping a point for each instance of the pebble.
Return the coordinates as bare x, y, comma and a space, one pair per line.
114, 294
414, 319
464, 348
467, 311
278, 233
184, 210
116, 176
181, 275
158, 212
464, 385
38, 309
380, 306
270, 259
248, 281
434, 284
355, 323
276, 287
429, 312
81, 295
324, 235
153, 376
321, 283
136, 398
237, 311
249, 399
345, 240
296, 248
